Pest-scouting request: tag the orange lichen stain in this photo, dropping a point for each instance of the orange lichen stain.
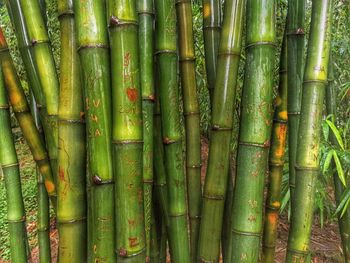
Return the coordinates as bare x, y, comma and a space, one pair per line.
50, 187
278, 101
283, 115
133, 242
282, 135
206, 10
272, 218
132, 94
276, 204
15, 98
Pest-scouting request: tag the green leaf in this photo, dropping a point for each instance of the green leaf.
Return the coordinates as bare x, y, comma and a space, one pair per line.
345, 207
344, 199
339, 168
327, 161
336, 134
325, 130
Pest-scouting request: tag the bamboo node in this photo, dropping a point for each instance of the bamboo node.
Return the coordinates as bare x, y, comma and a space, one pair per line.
115, 21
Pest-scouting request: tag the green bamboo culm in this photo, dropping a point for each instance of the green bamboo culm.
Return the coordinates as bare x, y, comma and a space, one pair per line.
295, 35
40, 66
307, 162
145, 11
10, 169
160, 183
221, 128
71, 209
167, 62
255, 131
211, 34
343, 221
127, 131
276, 162
93, 49
26, 121
192, 119
42, 199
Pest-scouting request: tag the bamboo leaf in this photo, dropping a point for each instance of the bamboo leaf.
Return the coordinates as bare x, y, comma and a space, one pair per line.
325, 130
339, 168
336, 134
327, 161
343, 201
345, 207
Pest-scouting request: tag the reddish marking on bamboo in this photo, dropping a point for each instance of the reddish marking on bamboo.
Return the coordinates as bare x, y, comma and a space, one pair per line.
96, 103
266, 144
97, 133
132, 94
127, 58
132, 223
82, 115
61, 174
133, 242
252, 218
123, 252
94, 117
3, 42
87, 104
140, 196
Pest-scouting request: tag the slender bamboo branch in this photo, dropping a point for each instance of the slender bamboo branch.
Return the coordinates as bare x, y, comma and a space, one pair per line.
191, 112
295, 34
166, 56
276, 162
146, 25
212, 19
25, 119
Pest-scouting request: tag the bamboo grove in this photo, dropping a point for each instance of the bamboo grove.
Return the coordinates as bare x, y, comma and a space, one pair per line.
115, 129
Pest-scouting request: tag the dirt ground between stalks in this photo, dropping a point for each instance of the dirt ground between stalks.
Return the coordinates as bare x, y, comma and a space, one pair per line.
325, 242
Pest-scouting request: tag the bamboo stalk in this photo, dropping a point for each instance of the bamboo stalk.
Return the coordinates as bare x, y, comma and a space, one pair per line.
276, 162
343, 221
93, 48
295, 34
40, 66
146, 24
166, 56
10, 169
221, 127
71, 210
255, 131
42, 198
25, 119
127, 133
307, 162
211, 34
191, 112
